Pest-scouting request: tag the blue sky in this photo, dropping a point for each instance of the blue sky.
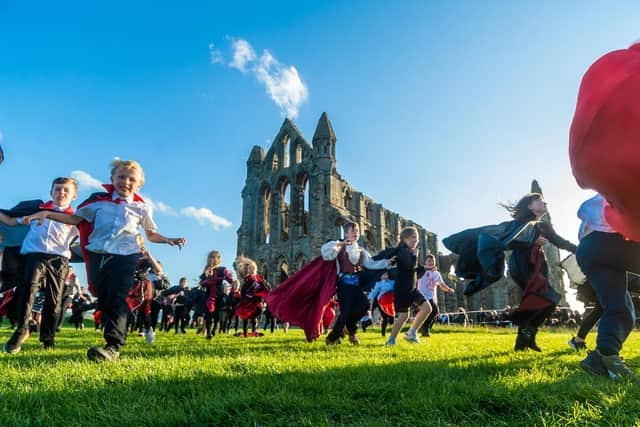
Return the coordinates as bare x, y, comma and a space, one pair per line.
441, 109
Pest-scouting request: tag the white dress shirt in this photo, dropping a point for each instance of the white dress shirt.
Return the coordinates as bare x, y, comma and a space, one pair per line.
50, 237
116, 223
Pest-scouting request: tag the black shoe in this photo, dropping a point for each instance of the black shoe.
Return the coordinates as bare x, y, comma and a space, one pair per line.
47, 346
18, 338
526, 339
593, 364
103, 354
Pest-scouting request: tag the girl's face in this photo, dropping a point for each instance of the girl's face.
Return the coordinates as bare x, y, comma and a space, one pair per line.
385, 276
538, 207
126, 181
411, 241
352, 234
430, 263
252, 269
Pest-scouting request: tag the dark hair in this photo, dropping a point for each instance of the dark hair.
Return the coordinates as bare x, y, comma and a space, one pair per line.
520, 211
430, 256
349, 226
65, 180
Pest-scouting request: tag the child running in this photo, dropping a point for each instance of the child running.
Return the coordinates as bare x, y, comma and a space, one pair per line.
109, 225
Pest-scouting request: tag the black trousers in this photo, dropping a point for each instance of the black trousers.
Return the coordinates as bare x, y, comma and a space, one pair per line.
65, 300
112, 277
431, 318
155, 311
605, 258
47, 273
181, 318
589, 321
353, 306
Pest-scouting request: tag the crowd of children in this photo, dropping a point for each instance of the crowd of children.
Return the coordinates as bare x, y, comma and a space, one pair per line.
36, 238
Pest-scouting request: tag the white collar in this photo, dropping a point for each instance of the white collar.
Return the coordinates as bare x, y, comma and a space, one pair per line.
116, 196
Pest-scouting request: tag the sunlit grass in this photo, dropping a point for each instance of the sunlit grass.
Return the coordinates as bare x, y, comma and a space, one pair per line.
456, 377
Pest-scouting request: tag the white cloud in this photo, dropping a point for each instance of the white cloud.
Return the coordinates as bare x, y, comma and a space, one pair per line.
159, 206
282, 82
243, 53
86, 181
205, 216
215, 55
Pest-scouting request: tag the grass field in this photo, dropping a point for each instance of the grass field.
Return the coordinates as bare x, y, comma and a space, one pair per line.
456, 377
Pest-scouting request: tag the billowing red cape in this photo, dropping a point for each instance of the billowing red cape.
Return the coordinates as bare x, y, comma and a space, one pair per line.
604, 140
301, 299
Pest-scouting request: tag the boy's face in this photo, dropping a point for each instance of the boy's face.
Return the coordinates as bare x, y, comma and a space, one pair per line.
126, 181
430, 263
63, 194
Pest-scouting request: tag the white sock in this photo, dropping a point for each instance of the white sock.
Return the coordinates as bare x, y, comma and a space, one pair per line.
412, 331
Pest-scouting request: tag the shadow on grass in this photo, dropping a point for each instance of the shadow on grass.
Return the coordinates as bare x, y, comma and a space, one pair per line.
395, 393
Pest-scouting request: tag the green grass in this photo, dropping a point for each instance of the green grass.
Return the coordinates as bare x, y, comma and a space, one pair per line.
457, 377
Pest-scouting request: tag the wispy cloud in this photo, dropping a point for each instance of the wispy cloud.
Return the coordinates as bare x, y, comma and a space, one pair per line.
215, 55
206, 216
282, 82
243, 54
159, 206
86, 181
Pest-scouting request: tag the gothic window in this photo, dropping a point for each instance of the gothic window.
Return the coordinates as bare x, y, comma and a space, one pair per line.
285, 152
285, 210
368, 210
298, 154
387, 219
274, 162
370, 240
302, 204
339, 230
265, 202
283, 271
347, 199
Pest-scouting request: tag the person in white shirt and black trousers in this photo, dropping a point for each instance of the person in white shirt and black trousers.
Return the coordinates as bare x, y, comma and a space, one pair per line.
109, 225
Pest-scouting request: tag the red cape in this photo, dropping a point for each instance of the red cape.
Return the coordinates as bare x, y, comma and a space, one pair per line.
301, 299
604, 140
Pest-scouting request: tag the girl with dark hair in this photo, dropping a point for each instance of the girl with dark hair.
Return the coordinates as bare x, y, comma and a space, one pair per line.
481, 253
350, 260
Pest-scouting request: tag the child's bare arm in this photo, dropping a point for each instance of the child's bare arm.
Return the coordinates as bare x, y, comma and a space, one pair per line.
156, 237
7, 220
446, 288
54, 216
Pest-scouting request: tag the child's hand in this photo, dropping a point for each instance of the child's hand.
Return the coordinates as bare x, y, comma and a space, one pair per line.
39, 216
177, 241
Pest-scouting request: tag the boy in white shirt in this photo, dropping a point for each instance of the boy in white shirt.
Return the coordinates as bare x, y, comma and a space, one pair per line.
47, 252
109, 224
